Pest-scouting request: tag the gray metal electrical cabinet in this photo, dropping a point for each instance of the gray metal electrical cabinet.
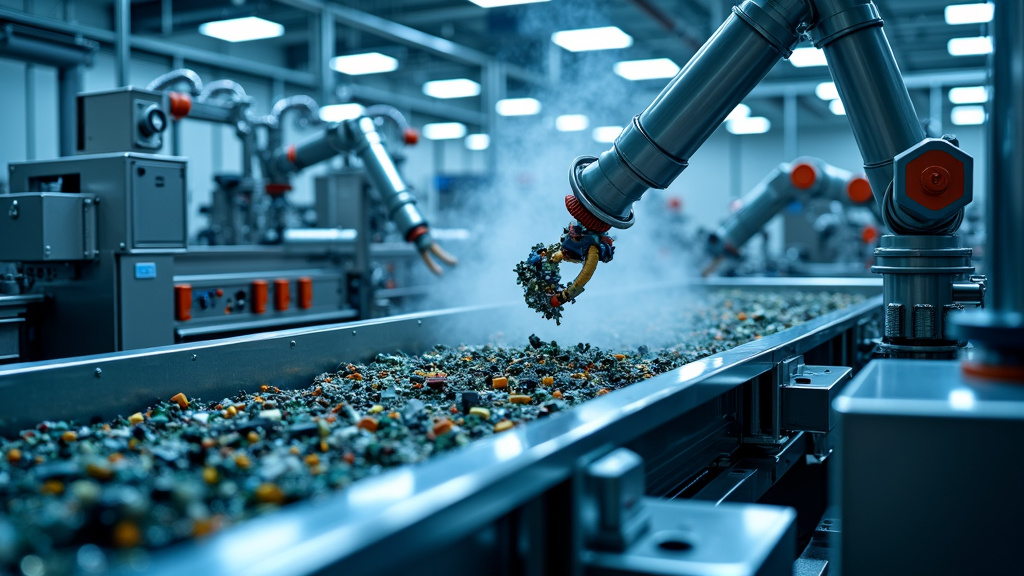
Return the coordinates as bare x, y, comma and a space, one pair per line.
125, 119
142, 200
47, 226
146, 294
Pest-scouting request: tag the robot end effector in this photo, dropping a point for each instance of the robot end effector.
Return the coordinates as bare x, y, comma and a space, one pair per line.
360, 135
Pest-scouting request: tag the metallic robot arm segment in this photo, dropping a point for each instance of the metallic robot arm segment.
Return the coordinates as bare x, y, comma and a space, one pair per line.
361, 136
655, 147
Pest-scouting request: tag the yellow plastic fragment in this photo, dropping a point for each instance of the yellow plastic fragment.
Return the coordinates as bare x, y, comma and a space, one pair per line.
376, 409
547, 381
481, 412
499, 382
503, 425
136, 418
210, 475
520, 399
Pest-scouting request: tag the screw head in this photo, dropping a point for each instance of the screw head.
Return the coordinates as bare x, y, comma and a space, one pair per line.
934, 180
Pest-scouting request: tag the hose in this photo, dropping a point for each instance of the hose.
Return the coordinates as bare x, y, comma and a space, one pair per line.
575, 288
173, 77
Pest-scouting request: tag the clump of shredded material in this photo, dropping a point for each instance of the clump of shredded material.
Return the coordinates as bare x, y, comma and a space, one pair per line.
540, 279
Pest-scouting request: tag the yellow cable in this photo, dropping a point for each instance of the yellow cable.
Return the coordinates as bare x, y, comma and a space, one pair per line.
575, 288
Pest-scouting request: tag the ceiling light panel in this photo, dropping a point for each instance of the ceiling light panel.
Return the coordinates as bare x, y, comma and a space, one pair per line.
341, 112
968, 95
740, 111
749, 125
518, 107
571, 122
646, 69
967, 115
360, 64
807, 56
978, 13
444, 131
478, 141
837, 107
454, 88
826, 91
606, 134
242, 29
977, 46
605, 38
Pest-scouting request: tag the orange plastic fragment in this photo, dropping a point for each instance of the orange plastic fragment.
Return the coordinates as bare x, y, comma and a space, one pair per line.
367, 423
180, 400
499, 382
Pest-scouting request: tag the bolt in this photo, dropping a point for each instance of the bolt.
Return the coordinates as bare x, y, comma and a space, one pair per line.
293, 343
935, 180
13, 212
98, 372
195, 357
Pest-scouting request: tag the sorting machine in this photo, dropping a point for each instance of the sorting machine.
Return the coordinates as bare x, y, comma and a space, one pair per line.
102, 236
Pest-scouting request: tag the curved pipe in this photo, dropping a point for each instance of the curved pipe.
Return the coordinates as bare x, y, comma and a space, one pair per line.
173, 77
389, 112
575, 288
311, 110
219, 87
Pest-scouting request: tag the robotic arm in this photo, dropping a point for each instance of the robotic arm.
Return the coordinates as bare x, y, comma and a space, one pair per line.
920, 184
360, 135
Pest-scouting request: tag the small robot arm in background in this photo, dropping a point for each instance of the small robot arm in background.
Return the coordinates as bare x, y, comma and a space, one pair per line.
360, 135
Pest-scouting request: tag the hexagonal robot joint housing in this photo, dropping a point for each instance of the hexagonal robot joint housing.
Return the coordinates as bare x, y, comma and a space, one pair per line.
933, 180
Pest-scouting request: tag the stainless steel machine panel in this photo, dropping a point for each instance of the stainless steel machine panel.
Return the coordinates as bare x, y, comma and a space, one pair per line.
39, 227
145, 290
931, 471
142, 202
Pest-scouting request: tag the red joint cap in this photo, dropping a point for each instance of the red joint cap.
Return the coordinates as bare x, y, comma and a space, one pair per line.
276, 190
585, 217
179, 104
183, 302
803, 176
868, 234
859, 190
416, 233
411, 136
292, 153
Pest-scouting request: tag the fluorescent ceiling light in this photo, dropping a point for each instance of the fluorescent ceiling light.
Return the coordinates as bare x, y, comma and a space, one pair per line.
242, 29
606, 134
967, 115
646, 69
606, 38
977, 46
807, 56
837, 108
478, 141
444, 130
740, 111
368, 63
571, 122
518, 107
749, 125
496, 3
970, 13
968, 95
340, 112
826, 91
454, 88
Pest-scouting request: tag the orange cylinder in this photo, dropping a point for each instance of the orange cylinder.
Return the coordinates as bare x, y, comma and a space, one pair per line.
259, 296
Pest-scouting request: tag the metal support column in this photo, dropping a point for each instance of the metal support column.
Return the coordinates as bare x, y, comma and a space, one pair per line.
122, 40
790, 141
998, 333
323, 62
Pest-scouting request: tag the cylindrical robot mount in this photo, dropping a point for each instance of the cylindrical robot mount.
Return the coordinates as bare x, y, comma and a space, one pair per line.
925, 279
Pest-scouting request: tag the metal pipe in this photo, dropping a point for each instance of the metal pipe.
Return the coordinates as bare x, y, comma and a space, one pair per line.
122, 40
655, 147
173, 77
224, 86
870, 85
27, 49
1005, 198
70, 82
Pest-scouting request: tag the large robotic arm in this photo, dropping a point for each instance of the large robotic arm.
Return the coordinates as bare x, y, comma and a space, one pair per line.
360, 135
920, 184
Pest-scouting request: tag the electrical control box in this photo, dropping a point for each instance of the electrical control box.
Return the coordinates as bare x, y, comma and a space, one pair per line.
47, 227
123, 120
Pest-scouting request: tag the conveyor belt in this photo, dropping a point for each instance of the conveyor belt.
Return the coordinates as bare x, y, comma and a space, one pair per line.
460, 509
